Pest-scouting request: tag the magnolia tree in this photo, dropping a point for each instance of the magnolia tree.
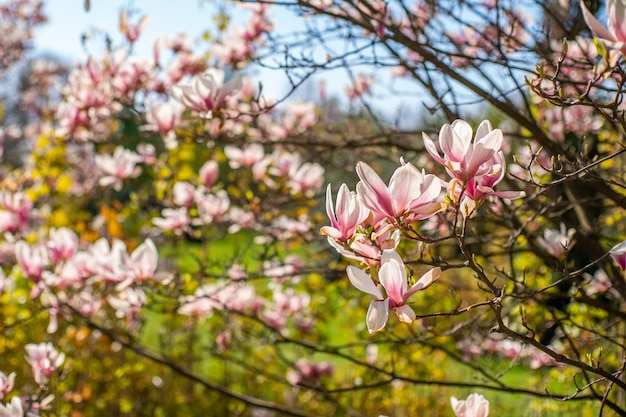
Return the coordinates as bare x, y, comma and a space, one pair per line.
164, 247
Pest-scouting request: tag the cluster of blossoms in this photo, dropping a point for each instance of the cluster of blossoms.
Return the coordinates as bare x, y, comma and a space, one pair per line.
513, 350
281, 171
63, 275
238, 294
366, 225
45, 361
18, 19
239, 45
16, 213
477, 42
309, 372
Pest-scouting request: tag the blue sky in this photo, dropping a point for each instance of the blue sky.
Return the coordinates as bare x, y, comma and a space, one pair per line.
69, 20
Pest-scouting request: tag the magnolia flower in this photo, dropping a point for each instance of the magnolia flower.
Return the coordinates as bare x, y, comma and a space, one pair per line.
476, 189
62, 244
207, 92
615, 35
463, 157
348, 214
557, 242
144, 260
117, 167
173, 219
163, 117
474, 406
393, 279
618, 253
32, 260
208, 173
183, 192
246, 156
12, 409
6, 383
410, 192
308, 177
44, 360
129, 30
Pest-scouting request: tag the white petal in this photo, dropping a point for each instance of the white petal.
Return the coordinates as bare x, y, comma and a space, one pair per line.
363, 282
377, 315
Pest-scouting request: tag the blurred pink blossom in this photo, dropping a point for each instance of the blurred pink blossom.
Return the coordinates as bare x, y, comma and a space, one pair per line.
118, 167
6, 384
475, 405
557, 242
206, 93
44, 360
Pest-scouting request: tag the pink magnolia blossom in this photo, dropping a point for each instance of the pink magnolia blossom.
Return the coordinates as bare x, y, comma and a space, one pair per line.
207, 93
32, 259
13, 409
393, 279
6, 384
557, 242
618, 253
16, 211
62, 244
237, 296
211, 207
127, 303
479, 188
307, 371
306, 179
615, 35
110, 263
208, 173
173, 219
183, 194
164, 118
66, 275
465, 156
44, 360
129, 30
144, 260
347, 215
475, 405
410, 192
246, 156
362, 85
368, 248
118, 167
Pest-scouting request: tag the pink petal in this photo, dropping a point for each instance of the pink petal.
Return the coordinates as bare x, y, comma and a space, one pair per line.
431, 149
405, 314
330, 211
373, 190
458, 140
483, 129
596, 27
392, 276
616, 19
404, 184
424, 282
